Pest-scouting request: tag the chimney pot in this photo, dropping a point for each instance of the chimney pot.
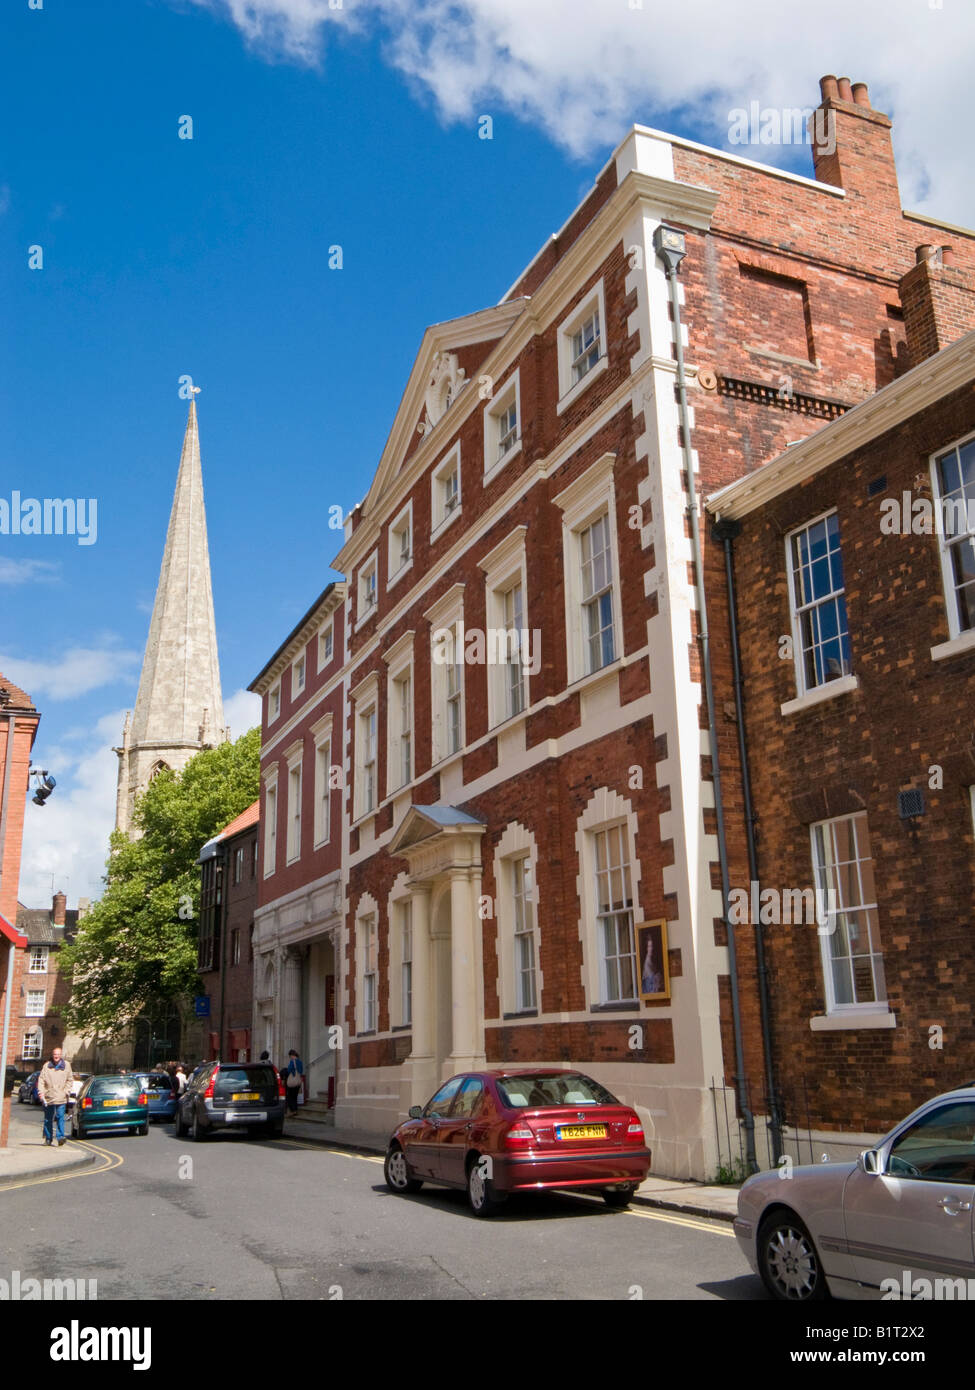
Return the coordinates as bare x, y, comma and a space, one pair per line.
924, 253
828, 88
58, 905
947, 255
846, 91
860, 94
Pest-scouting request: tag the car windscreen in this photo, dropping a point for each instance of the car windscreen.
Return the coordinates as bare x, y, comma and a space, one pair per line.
554, 1088
232, 1079
115, 1086
155, 1081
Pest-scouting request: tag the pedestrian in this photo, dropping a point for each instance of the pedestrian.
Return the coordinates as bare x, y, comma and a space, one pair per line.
179, 1076
54, 1088
293, 1084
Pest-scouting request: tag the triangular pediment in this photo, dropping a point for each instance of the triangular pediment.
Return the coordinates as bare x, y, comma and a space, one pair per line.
426, 822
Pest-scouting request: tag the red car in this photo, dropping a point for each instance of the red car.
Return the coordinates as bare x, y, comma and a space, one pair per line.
498, 1132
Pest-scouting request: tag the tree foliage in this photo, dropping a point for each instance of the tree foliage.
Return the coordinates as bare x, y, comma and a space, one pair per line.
136, 950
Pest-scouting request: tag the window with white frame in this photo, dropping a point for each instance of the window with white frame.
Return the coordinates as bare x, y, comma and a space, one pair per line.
403, 716
582, 345
502, 426
370, 974
614, 914
368, 590
33, 1043
38, 960
401, 544
238, 864
591, 559
298, 676
853, 963
445, 483
446, 619
323, 788
954, 481
513, 608
274, 702
365, 699
36, 999
326, 645
399, 712
818, 598
367, 731
235, 946
406, 962
510, 652
454, 694
294, 810
524, 931
270, 827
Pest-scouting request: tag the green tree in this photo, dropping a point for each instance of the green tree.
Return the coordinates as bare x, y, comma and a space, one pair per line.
136, 950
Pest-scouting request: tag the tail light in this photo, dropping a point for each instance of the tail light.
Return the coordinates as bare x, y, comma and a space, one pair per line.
634, 1131
143, 1099
282, 1089
518, 1134
208, 1093
86, 1103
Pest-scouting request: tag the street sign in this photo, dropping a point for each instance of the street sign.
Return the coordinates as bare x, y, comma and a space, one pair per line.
202, 1005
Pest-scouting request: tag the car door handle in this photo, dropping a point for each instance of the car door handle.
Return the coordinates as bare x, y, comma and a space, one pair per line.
953, 1205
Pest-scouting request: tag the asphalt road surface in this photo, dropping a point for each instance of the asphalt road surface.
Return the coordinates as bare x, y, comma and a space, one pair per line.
237, 1217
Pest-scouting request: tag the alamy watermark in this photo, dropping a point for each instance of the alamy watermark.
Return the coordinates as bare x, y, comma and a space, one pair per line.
493, 646
773, 907
783, 125
16, 1289
50, 516
908, 515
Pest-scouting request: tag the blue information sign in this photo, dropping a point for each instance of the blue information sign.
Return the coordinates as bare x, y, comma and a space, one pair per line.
202, 1005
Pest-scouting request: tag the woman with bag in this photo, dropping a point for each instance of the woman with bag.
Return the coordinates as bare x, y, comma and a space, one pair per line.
294, 1081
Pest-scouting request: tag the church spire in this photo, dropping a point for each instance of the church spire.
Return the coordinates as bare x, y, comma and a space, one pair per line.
179, 707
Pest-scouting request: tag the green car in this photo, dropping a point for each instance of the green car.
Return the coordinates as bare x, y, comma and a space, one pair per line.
110, 1102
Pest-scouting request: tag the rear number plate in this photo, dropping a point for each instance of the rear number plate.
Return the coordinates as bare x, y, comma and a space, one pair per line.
246, 1095
111, 1104
580, 1131
235, 1117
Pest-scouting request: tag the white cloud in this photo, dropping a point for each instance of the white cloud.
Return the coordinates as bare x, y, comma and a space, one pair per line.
66, 839
73, 673
241, 712
26, 571
584, 70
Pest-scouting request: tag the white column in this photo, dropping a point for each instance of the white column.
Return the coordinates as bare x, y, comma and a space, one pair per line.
462, 989
290, 1019
423, 1005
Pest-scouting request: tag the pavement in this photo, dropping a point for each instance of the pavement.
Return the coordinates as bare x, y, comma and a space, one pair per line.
26, 1154
692, 1198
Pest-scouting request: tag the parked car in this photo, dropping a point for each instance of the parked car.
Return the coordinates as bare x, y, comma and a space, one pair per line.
80, 1077
110, 1102
222, 1095
162, 1097
501, 1132
900, 1214
28, 1090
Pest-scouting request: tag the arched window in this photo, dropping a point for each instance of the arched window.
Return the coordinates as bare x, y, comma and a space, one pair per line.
157, 768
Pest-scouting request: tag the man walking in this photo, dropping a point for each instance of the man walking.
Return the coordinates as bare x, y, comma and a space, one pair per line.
54, 1088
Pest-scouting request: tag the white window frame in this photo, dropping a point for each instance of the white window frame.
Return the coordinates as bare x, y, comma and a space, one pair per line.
367, 936
32, 1048
617, 837
321, 733
40, 954
326, 633
299, 674
838, 906
945, 550
400, 525
365, 702
508, 394
294, 757
523, 928
399, 662
590, 497
516, 844
274, 702
446, 613
270, 819
238, 864
36, 1004
441, 516
368, 571
606, 808
569, 386
796, 611
504, 567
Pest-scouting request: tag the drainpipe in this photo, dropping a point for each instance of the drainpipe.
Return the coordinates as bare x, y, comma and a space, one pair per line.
727, 532
670, 247
11, 948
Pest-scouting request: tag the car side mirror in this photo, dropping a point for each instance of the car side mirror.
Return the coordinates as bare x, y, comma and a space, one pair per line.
416, 1112
869, 1162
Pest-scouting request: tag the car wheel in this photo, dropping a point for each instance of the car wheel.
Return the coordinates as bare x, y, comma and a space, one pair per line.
143, 1129
275, 1131
618, 1198
788, 1262
481, 1193
79, 1133
397, 1172
197, 1134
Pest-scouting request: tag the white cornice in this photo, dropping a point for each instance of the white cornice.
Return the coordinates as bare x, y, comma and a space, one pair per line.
369, 685
301, 638
399, 649
505, 551
446, 605
924, 384
569, 499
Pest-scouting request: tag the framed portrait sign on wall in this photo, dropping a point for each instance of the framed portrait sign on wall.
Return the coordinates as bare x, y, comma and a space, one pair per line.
652, 960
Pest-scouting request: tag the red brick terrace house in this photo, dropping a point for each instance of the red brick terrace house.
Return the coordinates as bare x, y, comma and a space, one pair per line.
45, 990
858, 545
228, 898
18, 729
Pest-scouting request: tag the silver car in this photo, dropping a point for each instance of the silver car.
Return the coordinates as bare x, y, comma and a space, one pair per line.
897, 1223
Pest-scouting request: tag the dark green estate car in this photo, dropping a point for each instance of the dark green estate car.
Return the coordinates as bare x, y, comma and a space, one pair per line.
110, 1102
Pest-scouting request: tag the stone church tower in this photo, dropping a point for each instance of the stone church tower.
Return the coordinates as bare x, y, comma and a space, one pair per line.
179, 707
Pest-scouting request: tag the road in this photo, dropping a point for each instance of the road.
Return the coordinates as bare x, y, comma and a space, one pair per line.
240, 1218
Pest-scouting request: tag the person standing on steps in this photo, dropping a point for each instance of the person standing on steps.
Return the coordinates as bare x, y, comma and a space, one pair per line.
293, 1081
54, 1088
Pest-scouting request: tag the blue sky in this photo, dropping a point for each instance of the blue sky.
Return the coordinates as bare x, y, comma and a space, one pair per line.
312, 126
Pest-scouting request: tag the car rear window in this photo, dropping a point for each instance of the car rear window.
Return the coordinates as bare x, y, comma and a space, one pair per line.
556, 1088
157, 1082
243, 1079
123, 1086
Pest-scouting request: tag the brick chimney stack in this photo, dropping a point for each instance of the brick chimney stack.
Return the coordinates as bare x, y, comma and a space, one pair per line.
851, 145
58, 907
938, 298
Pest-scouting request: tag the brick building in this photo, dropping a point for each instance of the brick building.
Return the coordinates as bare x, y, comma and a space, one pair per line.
228, 898
40, 1025
298, 919
18, 729
854, 568
534, 861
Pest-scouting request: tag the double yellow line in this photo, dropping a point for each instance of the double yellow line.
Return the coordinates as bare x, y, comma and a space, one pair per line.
109, 1160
